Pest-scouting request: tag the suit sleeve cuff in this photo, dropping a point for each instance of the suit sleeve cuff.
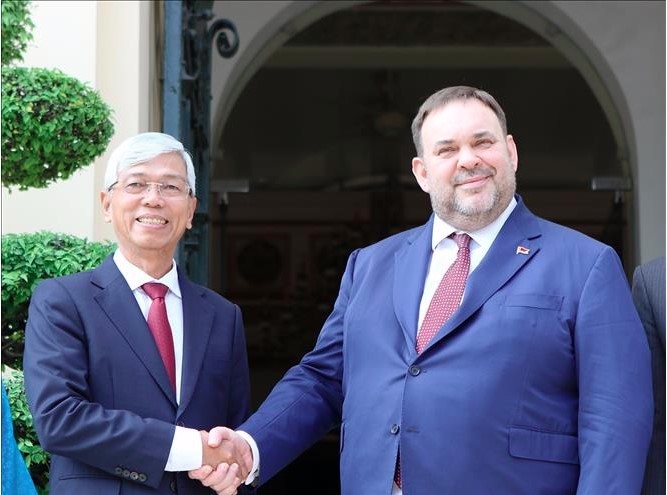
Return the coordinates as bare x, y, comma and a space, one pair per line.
254, 472
186, 452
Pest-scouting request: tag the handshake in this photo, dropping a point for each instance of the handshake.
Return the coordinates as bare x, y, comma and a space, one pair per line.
227, 460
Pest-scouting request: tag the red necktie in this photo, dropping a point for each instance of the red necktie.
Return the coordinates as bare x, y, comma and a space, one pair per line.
445, 301
447, 296
160, 328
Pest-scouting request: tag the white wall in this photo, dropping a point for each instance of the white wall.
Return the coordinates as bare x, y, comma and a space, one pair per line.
630, 36
61, 29
106, 44
124, 75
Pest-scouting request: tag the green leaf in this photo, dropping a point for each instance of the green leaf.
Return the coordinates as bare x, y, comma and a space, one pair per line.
27, 259
53, 125
16, 30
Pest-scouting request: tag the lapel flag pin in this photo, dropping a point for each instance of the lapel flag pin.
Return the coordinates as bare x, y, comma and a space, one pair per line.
522, 250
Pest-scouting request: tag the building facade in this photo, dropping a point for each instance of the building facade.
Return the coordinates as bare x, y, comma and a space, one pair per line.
309, 131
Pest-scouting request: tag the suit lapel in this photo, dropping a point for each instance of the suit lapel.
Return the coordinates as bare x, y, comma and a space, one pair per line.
502, 261
411, 264
197, 325
119, 304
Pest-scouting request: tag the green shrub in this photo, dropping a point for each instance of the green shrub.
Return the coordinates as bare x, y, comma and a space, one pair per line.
36, 459
52, 125
16, 30
29, 258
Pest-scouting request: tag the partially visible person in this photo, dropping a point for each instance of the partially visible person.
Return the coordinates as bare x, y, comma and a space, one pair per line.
488, 351
15, 477
648, 292
126, 363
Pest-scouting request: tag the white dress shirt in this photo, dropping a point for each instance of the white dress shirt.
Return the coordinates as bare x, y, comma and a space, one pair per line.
445, 251
186, 451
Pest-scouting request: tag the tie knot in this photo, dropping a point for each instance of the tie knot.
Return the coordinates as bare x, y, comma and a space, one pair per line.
155, 290
461, 240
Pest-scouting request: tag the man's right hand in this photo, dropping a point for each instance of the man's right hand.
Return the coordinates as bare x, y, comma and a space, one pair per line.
222, 445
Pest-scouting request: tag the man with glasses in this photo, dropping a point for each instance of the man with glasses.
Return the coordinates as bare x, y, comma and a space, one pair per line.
128, 365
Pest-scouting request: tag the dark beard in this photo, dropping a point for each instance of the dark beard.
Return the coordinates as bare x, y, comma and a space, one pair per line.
470, 218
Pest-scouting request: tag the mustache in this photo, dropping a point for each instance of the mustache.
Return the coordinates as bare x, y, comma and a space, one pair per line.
480, 171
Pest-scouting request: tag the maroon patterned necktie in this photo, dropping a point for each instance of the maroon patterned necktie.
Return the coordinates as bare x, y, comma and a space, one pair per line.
448, 295
445, 301
160, 328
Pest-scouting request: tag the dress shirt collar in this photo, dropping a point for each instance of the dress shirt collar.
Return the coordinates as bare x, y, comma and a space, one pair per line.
136, 277
484, 236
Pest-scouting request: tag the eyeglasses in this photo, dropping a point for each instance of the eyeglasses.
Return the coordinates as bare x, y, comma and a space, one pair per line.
168, 189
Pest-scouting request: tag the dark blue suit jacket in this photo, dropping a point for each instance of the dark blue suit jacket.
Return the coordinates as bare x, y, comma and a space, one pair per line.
98, 391
538, 385
648, 291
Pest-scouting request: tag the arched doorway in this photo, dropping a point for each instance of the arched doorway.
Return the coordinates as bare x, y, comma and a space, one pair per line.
317, 138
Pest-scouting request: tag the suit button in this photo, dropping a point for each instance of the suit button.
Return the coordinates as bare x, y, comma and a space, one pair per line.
126, 473
134, 476
119, 471
394, 429
414, 370
172, 486
142, 477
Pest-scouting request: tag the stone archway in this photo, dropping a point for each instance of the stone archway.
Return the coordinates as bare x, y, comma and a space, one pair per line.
545, 18
567, 28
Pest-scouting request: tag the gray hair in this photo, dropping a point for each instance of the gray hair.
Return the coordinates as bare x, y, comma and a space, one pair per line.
143, 147
446, 95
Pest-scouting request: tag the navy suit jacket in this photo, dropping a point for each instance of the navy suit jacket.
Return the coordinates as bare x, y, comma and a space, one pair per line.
648, 291
100, 396
538, 385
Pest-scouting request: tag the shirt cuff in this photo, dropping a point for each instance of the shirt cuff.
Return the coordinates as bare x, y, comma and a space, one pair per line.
186, 451
254, 472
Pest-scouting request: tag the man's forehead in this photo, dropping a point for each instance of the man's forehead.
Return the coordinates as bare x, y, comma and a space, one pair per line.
152, 168
456, 115
462, 104
134, 172
483, 133
158, 161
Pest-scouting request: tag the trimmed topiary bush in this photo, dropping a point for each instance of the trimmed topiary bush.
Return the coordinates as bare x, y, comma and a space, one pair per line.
52, 125
29, 258
16, 30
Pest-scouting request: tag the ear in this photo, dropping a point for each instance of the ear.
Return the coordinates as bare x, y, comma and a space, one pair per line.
420, 173
514, 154
192, 207
105, 199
